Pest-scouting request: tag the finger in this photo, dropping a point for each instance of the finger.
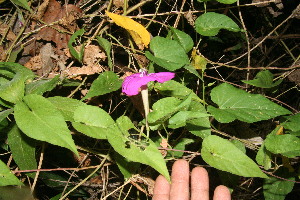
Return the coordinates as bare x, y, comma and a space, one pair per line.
222, 193
180, 181
161, 189
199, 184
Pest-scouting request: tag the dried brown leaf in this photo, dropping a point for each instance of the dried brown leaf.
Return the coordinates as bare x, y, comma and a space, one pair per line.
65, 16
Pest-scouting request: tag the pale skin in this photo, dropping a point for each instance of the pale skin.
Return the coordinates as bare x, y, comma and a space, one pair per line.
180, 188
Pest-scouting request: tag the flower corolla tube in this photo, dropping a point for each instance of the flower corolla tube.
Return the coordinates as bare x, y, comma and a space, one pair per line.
132, 84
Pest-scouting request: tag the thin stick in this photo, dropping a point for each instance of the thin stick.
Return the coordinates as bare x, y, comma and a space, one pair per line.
259, 43
39, 167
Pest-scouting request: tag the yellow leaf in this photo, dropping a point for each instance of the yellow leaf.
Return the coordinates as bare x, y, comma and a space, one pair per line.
137, 31
198, 61
280, 130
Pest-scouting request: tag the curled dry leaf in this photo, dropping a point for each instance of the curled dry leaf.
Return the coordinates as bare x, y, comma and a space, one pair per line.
164, 144
65, 16
42, 63
92, 56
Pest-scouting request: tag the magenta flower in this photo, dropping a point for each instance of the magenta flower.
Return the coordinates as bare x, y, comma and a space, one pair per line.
134, 82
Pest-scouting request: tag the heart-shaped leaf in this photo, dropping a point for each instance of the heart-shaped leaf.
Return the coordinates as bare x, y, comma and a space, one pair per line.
105, 83
168, 54
225, 156
210, 23
238, 104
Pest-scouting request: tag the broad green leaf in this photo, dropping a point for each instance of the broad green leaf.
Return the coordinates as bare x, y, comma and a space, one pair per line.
235, 104
263, 157
141, 149
225, 156
6, 177
38, 118
239, 145
175, 89
12, 84
277, 189
93, 121
66, 106
210, 23
125, 124
73, 51
105, 83
22, 148
227, 1
292, 123
264, 79
164, 108
41, 86
287, 145
200, 126
183, 39
180, 119
22, 3
168, 54
105, 44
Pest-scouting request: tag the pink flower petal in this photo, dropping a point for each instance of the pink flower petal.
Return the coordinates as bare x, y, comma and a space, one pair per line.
134, 82
162, 76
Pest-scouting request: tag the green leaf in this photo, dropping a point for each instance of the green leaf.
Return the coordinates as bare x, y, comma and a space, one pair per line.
183, 39
105, 44
225, 156
277, 189
175, 89
210, 23
73, 51
192, 70
239, 145
16, 193
93, 121
287, 145
292, 123
41, 86
168, 54
105, 83
6, 177
200, 126
38, 118
126, 167
142, 150
227, 1
12, 85
235, 104
5, 113
66, 106
180, 119
263, 157
22, 3
181, 146
264, 79
164, 108
23, 149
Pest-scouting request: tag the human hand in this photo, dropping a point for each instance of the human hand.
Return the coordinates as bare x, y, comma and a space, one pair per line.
179, 188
